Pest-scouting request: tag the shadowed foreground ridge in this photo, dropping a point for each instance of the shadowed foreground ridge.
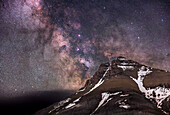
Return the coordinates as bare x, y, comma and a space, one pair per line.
119, 87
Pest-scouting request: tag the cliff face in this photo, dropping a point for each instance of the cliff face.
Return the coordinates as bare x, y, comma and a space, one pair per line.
119, 87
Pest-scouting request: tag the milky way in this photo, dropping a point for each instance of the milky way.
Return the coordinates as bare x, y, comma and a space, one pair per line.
59, 44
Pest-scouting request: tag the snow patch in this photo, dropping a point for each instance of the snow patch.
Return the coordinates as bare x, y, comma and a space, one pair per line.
143, 72
125, 67
72, 104
122, 59
124, 95
127, 63
61, 103
158, 93
122, 104
81, 90
116, 93
77, 100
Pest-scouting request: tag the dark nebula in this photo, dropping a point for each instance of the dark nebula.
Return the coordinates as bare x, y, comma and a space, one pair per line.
58, 44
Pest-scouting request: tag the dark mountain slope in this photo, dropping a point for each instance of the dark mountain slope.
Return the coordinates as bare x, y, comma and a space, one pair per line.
120, 87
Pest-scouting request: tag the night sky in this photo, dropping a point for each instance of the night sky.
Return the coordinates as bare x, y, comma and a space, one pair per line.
58, 44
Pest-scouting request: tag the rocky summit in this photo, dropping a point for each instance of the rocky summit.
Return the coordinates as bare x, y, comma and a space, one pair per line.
120, 87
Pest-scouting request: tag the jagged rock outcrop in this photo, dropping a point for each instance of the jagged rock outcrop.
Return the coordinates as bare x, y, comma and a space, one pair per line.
118, 88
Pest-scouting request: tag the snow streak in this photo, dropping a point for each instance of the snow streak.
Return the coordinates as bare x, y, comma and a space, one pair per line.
99, 82
105, 100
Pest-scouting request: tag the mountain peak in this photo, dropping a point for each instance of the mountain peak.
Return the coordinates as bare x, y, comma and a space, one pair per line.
120, 86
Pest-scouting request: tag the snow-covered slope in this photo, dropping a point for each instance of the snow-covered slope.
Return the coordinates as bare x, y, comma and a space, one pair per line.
119, 87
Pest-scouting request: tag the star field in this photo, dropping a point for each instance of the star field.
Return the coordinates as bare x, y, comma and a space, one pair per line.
51, 45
